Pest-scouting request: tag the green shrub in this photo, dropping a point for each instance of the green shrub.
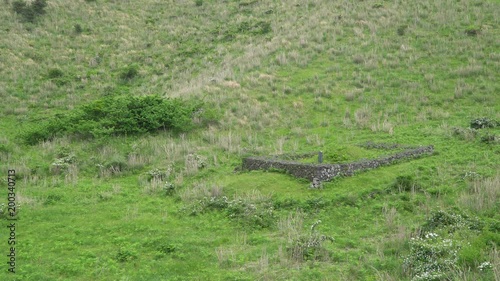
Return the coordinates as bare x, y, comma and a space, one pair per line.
57, 76
255, 214
405, 183
128, 73
62, 164
198, 2
430, 257
39, 6
117, 116
78, 28
29, 12
452, 222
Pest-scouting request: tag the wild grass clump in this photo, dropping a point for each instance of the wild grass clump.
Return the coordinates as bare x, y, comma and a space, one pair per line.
309, 246
482, 196
467, 134
117, 116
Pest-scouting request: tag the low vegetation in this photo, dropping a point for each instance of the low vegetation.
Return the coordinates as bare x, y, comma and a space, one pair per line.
126, 122
117, 116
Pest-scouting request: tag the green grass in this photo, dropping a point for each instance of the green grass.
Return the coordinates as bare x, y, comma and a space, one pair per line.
275, 77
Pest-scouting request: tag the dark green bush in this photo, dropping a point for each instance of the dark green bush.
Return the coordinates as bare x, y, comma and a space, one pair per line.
38, 6
57, 76
29, 12
78, 28
198, 2
117, 116
129, 73
402, 30
405, 183
452, 222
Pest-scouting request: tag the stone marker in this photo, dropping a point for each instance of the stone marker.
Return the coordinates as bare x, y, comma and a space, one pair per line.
316, 183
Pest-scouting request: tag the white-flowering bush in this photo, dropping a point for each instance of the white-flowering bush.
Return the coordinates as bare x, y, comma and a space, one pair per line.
255, 213
431, 257
485, 266
62, 164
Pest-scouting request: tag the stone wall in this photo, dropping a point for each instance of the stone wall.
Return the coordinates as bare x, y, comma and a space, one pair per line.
326, 172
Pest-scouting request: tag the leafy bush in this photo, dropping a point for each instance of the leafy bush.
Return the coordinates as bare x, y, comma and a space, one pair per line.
117, 116
452, 222
128, 73
258, 214
431, 257
198, 2
29, 12
405, 183
57, 76
78, 28
62, 164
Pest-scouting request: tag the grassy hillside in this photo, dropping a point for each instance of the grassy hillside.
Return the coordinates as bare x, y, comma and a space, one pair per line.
166, 201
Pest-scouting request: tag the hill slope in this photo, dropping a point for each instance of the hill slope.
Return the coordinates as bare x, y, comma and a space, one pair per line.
269, 77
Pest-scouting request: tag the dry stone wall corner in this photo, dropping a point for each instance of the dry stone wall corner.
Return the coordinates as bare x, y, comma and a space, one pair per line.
318, 173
